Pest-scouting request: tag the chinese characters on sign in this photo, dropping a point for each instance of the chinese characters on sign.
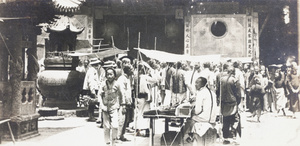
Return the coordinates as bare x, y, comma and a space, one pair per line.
249, 37
255, 36
179, 14
187, 37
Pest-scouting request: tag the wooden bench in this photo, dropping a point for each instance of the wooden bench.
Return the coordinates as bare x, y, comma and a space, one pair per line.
8, 124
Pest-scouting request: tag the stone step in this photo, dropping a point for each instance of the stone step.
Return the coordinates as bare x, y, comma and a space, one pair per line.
78, 112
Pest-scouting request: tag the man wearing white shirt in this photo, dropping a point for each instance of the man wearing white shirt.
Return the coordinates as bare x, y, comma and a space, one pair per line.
201, 125
91, 85
192, 77
240, 77
209, 75
205, 103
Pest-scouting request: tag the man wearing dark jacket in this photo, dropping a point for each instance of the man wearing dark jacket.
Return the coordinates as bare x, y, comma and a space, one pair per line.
229, 95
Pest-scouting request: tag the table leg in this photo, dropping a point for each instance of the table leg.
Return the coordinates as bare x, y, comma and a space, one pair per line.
11, 134
182, 134
167, 124
153, 127
151, 133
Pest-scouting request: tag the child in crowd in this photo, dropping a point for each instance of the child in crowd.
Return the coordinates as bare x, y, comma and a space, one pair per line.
108, 97
257, 93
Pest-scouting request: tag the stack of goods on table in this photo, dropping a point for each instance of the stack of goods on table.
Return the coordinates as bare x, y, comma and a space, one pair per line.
183, 109
168, 112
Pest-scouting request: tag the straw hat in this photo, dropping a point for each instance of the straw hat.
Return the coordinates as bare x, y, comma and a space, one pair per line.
94, 61
109, 64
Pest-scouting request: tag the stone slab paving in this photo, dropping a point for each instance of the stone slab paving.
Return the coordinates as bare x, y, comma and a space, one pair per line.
76, 131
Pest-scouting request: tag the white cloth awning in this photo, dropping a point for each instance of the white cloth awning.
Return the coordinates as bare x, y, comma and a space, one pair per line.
171, 57
103, 54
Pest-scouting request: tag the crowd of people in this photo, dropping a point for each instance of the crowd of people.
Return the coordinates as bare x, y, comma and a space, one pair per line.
124, 89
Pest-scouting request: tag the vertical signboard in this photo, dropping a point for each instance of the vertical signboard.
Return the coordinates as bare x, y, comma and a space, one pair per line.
249, 36
187, 35
90, 35
255, 36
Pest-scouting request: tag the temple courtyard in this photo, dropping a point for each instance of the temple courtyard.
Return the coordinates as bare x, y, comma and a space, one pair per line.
273, 130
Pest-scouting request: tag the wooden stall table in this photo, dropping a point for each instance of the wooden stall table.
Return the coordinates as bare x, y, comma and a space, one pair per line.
167, 119
8, 124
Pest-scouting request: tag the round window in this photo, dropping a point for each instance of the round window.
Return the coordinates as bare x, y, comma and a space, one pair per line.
218, 28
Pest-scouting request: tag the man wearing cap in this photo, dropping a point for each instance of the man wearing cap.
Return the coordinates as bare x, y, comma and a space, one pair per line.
91, 85
125, 62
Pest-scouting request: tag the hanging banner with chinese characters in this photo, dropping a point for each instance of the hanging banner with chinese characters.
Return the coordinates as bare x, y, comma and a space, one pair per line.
255, 36
249, 36
187, 36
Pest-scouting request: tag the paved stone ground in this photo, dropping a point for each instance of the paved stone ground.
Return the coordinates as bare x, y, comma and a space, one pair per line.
75, 131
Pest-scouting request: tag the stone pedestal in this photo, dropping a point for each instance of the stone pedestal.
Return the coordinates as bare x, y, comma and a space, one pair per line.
23, 127
21, 109
46, 111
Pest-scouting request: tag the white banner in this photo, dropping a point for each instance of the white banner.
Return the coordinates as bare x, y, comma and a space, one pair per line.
170, 57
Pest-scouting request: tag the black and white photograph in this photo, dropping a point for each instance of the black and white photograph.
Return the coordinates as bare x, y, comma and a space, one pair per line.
149, 72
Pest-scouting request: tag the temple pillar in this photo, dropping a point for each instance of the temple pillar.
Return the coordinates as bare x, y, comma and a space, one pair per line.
33, 68
19, 104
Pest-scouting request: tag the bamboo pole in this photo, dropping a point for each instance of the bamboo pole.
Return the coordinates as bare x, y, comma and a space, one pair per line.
136, 88
155, 43
155, 87
127, 39
113, 45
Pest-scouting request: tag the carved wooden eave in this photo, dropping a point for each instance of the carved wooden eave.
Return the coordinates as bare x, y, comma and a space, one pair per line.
68, 5
65, 23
